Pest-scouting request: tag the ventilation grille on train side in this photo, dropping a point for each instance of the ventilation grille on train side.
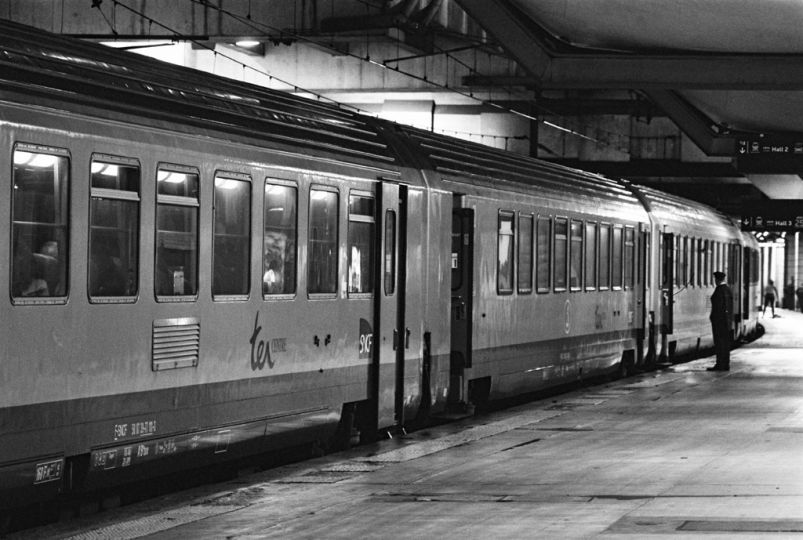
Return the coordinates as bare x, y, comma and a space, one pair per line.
176, 343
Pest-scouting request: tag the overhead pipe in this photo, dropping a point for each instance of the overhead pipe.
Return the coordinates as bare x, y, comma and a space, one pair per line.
392, 16
403, 13
424, 17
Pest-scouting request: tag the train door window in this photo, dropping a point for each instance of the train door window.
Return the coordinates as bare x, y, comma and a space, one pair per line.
576, 255
361, 244
591, 256
524, 282
322, 249
114, 229
40, 220
279, 239
647, 260
630, 256
390, 252
709, 263
698, 254
231, 250
616, 259
542, 253
504, 267
560, 260
604, 257
176, 232
678, 261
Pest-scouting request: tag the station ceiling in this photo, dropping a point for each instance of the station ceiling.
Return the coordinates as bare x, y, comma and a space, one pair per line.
729, 73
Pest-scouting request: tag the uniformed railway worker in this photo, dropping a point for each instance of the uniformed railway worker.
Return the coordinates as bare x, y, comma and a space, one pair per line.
721, 317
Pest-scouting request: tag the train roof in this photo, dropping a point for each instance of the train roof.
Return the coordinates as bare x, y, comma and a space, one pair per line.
685, 215
37, 64
471, 163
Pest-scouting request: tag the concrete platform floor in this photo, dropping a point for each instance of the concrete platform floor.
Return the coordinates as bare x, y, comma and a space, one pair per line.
680, 453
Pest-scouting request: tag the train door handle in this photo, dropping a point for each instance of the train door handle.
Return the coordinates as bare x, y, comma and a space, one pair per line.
407, 338
395, 339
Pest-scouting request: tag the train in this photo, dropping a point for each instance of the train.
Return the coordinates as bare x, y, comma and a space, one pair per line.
202, 270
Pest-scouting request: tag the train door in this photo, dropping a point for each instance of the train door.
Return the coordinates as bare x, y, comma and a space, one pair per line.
667, 290
388, 340
462, 306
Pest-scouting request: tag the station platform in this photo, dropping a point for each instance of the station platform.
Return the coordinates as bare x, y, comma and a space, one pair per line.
676, 453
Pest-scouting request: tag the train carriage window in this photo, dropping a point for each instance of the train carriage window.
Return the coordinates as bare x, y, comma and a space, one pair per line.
114, 229
604, 257
686, 261
630, 256
361, 244
524, 282
576, 255
717, 258
678, 261
231, 251
322, 249
504, 267
560, 259
591, 256
542, 254
390, 253
39, 229
279, 239
698, 250
616, 259
176, 232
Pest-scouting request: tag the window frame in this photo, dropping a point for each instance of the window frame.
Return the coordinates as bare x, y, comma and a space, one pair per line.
120, 195
565, 269
361, 218
187, 202
271, 181
617, 285
66, 225
512, 251
327, 295
528, 282
629, 260
592, 243
580, 239
539, 279
605, 285
237, 177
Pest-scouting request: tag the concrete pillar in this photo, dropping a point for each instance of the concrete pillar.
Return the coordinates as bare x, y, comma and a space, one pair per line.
793, 269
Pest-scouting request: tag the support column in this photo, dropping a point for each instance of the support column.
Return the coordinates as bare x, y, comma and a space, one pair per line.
793, 269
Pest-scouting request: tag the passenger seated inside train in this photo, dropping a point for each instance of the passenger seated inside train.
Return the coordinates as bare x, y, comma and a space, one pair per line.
29, 271
106, 277
272, 279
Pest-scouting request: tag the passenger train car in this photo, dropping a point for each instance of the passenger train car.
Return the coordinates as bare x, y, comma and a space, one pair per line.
200, 270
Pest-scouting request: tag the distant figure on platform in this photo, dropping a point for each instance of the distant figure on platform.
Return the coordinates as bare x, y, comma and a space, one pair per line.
770, 294
799, 293
721, 318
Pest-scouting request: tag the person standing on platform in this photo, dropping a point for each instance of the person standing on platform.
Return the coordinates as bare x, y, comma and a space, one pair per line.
721, 319
799, 293
770, 294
